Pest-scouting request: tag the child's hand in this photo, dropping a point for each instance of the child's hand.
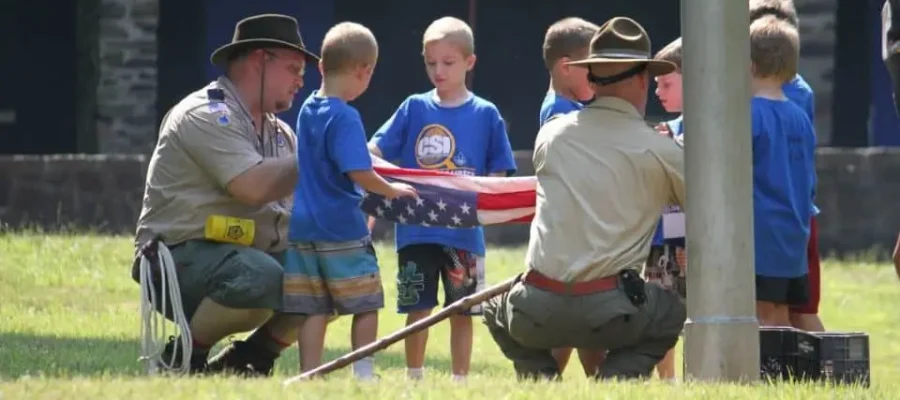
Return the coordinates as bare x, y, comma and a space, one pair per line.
663, 129
402, 190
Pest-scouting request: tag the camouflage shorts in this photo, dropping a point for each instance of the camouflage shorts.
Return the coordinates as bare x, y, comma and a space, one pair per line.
666, 266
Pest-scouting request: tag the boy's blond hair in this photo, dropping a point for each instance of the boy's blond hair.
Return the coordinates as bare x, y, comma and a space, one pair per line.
453, 30
782, 9
347, 45
774, 48
671, 53
568, 37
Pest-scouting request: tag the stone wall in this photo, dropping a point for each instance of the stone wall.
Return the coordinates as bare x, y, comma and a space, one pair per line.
858, 192
817, 27
81, 192
126, 94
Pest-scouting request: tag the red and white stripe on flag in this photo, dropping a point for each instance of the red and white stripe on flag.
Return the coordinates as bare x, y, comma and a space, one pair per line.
500, 200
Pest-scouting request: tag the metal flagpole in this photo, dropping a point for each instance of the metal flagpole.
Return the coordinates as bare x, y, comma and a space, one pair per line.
721, 333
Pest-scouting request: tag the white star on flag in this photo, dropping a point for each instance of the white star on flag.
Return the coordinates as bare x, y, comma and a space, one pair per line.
465, 208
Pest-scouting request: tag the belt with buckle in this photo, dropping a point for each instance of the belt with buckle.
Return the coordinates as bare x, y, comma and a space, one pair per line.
541, 281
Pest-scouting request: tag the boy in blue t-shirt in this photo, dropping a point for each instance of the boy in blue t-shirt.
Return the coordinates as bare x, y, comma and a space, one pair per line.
804, 316
566, 40
667, 260
784, 173
331, 266
448, 129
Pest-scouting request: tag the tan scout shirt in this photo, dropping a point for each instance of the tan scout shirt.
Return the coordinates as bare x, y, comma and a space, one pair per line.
204, 142
604, 177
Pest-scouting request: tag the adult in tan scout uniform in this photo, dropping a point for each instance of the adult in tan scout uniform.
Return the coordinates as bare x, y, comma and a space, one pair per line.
218, 195
603, 175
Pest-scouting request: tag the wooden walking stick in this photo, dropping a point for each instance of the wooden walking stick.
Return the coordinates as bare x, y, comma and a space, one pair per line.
458, 306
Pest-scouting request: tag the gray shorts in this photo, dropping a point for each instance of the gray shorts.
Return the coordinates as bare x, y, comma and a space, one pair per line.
231, 275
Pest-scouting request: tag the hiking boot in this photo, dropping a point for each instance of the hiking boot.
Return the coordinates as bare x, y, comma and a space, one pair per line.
172, 355
243, 359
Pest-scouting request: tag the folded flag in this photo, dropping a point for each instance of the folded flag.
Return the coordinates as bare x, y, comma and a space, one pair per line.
453, 201
462, 201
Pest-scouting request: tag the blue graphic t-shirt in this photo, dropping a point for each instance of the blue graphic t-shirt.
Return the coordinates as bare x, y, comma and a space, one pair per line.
555, 104
469, 139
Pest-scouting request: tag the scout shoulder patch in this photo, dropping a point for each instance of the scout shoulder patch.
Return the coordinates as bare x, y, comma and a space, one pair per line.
220, 112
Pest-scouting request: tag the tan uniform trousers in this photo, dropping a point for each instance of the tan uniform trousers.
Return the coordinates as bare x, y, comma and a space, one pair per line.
527, 322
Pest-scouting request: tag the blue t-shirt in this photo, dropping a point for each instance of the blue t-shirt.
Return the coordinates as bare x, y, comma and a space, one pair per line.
555, 104
798, 91
469, 139
676, 127
331, 142
784, 176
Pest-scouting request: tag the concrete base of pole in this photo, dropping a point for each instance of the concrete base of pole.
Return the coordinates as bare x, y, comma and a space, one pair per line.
706, 337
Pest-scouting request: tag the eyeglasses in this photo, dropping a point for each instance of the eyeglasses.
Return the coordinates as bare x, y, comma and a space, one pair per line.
291, 65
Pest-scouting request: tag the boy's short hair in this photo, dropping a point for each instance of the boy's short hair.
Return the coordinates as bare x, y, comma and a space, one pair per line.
671, 53
783, 9
346, 45
453, 30
774, 48
568, 37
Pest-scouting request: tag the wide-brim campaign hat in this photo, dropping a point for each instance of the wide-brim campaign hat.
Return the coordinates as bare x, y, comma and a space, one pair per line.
622, 40
261, 31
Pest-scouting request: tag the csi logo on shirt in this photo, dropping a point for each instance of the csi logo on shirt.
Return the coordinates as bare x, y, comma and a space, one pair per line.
435, 147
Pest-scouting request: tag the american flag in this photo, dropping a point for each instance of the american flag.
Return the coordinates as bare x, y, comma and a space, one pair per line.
453, 201
460, 201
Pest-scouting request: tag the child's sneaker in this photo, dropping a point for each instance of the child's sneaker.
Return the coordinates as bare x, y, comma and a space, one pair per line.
415, 374
364, 369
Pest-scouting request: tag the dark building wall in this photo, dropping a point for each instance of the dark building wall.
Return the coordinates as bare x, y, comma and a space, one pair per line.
38, 78
141, 56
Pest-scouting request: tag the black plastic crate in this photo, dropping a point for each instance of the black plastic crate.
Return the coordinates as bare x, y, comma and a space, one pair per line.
836, 357
777, 353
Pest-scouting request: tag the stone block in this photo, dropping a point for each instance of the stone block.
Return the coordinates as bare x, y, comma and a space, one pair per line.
858, 190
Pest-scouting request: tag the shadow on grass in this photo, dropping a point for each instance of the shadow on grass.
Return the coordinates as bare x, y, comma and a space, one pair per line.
61, 357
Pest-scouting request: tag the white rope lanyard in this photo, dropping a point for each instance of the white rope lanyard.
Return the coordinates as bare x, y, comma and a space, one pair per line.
153, 324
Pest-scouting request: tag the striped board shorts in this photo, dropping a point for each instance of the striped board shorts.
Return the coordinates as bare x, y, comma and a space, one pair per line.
332, 278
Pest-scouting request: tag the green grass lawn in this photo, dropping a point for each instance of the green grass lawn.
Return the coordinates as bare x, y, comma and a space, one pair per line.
69, 328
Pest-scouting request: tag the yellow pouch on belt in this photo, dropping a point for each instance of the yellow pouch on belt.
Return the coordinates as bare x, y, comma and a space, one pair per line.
225, 229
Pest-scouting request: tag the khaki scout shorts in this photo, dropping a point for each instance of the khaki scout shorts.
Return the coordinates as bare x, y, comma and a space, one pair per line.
231, 275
